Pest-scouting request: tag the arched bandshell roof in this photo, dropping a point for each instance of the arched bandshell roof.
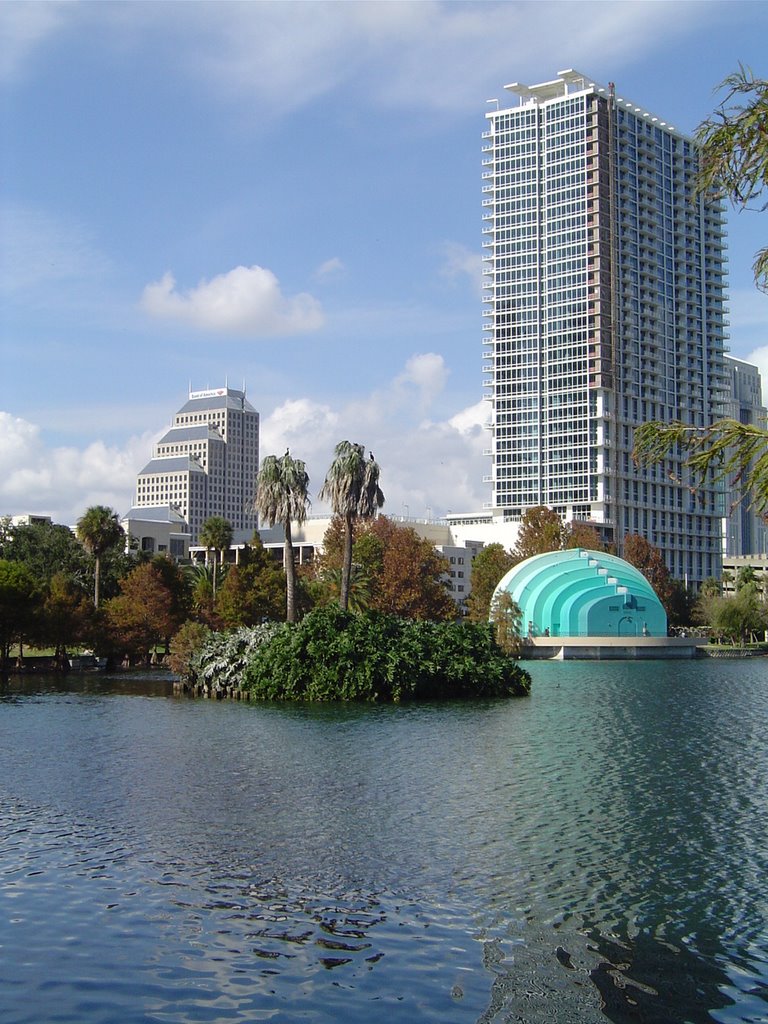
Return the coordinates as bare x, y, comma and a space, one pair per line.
583, 593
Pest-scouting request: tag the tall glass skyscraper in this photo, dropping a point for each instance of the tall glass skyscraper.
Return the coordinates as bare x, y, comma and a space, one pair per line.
605, 290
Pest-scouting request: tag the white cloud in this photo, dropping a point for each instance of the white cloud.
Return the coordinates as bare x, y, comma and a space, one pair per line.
426, 464
329, 268
423, 379
246, 301
63, 481
459, 261
471, 419
297, 423
759, 358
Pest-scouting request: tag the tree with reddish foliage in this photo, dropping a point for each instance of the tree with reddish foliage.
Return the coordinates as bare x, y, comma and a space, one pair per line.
177, 583
648, 559
328, 573
412, 580
541, 530
583, 534
393, 570
143, 616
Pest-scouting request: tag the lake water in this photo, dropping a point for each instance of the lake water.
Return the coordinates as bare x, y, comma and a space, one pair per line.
596, 852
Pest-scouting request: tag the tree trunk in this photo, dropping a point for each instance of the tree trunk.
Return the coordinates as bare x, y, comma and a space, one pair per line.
290, 575
97, 582
346, 569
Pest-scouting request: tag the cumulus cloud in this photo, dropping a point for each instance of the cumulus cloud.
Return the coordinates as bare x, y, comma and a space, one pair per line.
427, 463
246, 301
422, 380
472, 419
63, 481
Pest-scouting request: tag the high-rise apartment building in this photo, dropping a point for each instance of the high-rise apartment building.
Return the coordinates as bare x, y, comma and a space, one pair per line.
605, 289
206, 463
745, 531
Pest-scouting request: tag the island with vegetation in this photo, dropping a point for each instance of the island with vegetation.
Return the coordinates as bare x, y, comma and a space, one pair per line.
336, 655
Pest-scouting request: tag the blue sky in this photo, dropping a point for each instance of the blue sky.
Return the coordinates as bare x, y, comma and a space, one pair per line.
288, 194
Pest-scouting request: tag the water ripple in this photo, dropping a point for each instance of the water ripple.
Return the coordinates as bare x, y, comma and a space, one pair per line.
596, 852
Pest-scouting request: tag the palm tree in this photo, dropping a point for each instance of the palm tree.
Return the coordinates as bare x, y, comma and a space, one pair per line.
98, 530
282, 497
352, 487
216, 534
360, 586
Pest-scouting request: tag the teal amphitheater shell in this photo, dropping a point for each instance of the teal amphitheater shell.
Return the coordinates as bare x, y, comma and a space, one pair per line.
583, 593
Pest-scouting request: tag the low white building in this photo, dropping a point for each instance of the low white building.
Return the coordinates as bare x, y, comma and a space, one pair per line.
157, 530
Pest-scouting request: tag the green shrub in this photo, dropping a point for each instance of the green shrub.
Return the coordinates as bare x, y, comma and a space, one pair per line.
333, 655
221, 659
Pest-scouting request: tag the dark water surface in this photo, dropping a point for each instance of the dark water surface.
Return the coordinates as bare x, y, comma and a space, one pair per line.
596, 852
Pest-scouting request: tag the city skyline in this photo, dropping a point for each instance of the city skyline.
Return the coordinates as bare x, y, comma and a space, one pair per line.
202, 193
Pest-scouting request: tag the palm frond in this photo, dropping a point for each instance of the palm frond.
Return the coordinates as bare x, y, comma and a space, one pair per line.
728, 450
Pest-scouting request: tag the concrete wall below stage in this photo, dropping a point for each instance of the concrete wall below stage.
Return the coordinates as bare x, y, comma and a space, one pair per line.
612, 648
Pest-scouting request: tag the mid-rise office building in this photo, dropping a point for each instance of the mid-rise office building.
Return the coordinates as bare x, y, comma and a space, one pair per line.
745, 531
205, 465
605, 290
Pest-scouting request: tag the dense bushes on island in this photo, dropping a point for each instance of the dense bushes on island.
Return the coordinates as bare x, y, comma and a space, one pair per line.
332, 655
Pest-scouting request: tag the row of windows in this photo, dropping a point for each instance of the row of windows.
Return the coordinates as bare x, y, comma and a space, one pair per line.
566, 189
559, 124
515, 144
510, 120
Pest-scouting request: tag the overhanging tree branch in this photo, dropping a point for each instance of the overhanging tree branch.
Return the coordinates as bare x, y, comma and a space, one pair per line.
734, 452
734, 151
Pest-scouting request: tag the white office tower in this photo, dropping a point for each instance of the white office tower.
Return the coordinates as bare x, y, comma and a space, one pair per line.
745, 531
604, 280
206, 463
